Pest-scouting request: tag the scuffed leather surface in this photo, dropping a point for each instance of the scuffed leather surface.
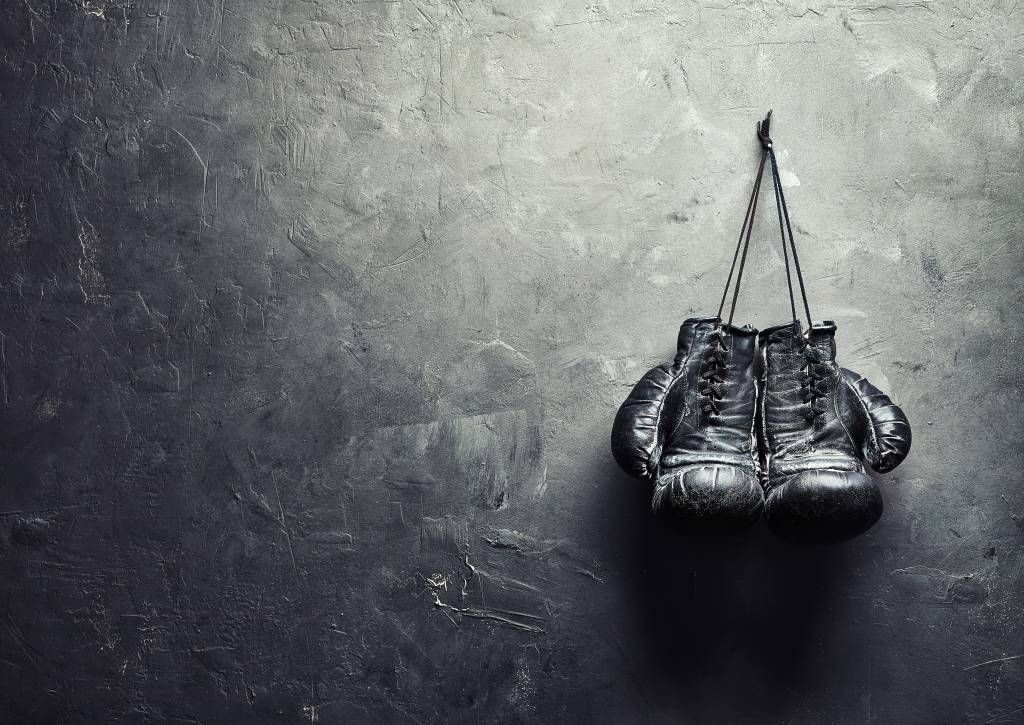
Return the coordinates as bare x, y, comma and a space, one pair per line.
811, 459
823, 505
707, 496
703, 465
887, 436
638, 432
793, 441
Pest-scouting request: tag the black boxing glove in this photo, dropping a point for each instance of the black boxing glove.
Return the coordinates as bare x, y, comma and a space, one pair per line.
687, 427
817, 425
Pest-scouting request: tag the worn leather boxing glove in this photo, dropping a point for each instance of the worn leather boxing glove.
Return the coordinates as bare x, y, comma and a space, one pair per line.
687, 427
817, 425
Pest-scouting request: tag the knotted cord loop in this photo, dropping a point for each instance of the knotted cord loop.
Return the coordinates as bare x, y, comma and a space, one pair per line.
762, 131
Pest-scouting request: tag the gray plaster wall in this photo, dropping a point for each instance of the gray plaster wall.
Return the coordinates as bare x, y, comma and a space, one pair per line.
314, 316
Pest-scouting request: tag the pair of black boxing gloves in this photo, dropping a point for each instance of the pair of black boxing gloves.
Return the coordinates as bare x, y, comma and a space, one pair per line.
744, 423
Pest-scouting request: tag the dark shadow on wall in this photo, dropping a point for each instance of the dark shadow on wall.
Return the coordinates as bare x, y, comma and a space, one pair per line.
724, 628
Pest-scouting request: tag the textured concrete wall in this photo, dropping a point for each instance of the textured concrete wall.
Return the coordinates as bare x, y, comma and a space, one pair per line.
315, 316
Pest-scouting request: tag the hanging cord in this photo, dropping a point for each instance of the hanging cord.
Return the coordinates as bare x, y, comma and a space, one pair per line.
712, 374
776, 186
785, 229
711, 384
780, 200
744, 243
785, 254
816, 368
